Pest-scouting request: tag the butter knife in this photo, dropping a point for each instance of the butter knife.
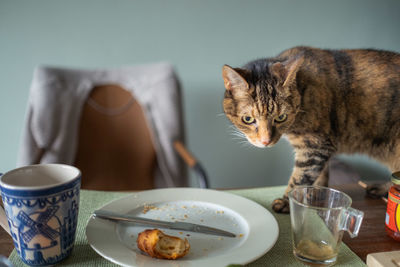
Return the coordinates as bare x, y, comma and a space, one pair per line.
191, 227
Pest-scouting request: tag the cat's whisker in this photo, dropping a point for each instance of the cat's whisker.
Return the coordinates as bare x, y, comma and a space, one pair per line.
238, 134
238, 138
234, 130
241, 142
238, 141
246, 145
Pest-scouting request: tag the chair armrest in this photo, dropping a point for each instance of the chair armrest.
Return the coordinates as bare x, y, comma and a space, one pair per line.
193, 163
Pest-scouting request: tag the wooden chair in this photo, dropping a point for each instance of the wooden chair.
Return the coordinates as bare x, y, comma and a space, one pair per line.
115, 150
116, 147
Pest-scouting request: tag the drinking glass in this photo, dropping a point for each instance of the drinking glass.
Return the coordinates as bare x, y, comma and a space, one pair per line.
319, 216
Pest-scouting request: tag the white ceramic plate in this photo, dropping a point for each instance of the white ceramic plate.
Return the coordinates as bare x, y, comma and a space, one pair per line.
255, 227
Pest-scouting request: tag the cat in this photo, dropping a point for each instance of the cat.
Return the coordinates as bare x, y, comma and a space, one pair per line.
325, 102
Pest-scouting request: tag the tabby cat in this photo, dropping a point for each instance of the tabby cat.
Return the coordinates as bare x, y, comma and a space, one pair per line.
324, 101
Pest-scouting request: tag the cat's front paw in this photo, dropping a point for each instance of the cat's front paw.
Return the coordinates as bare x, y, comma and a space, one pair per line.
378, 190
281, 205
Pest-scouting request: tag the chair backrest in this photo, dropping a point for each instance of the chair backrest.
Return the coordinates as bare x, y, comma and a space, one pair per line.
117, 125
115, 150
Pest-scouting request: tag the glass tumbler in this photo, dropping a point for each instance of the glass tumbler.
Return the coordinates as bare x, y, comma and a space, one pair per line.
319, 216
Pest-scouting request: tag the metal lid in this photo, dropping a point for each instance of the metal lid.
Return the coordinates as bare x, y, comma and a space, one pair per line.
396, 177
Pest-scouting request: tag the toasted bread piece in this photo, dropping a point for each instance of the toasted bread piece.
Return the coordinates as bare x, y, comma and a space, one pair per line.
159, 245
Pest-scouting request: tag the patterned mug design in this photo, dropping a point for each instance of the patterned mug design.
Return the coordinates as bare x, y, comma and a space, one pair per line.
43, 222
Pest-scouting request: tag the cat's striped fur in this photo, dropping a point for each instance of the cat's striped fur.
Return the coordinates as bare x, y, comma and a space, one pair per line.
325, 101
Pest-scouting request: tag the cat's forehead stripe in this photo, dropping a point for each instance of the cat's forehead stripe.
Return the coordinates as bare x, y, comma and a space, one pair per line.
259, 100
270, 105
272, 91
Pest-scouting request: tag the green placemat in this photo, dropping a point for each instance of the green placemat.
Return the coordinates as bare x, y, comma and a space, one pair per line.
279, 255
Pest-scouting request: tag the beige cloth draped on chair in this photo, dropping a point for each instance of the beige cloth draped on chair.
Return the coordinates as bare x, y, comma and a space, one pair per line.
114, 124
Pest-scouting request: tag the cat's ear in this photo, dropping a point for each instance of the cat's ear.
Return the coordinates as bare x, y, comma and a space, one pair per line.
286, 71
233, 79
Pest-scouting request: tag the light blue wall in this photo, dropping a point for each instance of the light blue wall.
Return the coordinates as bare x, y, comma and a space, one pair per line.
198, 37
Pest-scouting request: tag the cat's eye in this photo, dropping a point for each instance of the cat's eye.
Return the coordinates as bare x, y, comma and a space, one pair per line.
248, 119
281, 118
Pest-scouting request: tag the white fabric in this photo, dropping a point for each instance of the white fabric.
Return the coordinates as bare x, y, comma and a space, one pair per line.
57, 97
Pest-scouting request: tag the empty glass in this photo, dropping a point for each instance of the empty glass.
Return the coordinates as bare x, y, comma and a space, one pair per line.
319, 215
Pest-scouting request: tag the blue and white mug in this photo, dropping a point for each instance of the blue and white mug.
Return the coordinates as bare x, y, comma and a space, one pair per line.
41, 204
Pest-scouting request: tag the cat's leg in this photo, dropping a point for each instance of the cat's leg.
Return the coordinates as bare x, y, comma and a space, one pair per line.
378, 190
281, 205
311, 167
323, 178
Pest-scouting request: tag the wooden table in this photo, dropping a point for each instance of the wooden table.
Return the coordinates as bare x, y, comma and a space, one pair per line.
6, 243
372, 236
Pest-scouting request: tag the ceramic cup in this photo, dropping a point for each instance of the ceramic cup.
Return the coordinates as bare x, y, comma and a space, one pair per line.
41, 203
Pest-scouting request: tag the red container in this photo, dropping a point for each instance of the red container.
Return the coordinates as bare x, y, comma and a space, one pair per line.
392, 220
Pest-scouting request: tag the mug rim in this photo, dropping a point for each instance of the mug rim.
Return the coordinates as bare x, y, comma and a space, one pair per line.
290, 196
7, 186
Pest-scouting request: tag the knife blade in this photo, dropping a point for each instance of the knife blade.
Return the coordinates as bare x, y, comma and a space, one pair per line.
191, 227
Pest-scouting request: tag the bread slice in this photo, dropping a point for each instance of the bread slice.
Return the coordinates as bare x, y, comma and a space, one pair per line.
159, 245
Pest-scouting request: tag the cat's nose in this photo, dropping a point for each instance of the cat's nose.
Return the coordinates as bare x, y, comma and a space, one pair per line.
266, 142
